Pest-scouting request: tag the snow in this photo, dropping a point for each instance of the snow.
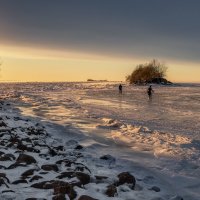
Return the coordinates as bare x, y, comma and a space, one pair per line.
157, 141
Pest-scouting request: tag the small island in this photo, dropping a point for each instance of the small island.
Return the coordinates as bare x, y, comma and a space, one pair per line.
152, 72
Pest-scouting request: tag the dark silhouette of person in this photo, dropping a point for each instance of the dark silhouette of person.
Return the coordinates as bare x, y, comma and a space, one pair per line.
150, 91
120, 89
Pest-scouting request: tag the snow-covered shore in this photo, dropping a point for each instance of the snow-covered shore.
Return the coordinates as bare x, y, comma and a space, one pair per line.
37, 165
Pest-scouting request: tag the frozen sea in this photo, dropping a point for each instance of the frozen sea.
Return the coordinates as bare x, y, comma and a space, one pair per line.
161, 135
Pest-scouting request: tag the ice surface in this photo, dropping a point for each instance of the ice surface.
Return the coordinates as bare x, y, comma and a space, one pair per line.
161, 136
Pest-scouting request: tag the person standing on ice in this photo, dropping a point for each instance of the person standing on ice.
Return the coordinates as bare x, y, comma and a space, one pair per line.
120, 88
150, 91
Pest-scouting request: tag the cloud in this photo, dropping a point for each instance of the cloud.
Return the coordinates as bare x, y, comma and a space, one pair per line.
131, 28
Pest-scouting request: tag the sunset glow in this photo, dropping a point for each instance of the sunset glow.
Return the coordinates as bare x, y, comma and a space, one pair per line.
64, 46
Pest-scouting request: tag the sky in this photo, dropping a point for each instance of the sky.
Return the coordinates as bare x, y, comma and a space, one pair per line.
74, 40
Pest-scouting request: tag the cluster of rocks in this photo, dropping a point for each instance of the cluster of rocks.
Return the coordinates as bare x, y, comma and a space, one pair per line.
45, 163
31, 158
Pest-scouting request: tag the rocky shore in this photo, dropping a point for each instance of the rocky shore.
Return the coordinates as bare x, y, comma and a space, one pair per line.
36, 165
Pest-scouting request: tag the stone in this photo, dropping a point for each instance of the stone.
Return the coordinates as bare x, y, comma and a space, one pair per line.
7, 157
78, 147
3, 124
50, 167
126, 177
111, 191
19, 181
155, 188
24, 158
66, 188
59, 197
85, 197
3, 175
107, 157
35, 178
28, 173
82, 177
2, 182
101, 177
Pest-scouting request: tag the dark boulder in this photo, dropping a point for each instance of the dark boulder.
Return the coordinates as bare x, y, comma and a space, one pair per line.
28, 173
19, 181
111, 191
82, 177
59, 197
24, 158
126, 177
155, 188
85, 197
2, 182
50, 167
7, 157
3, 175
35, 178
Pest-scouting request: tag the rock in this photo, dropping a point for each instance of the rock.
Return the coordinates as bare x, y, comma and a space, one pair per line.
60, 188
3, 175
28, 140
7, 157
16, 165
107, 157
19, 181
67, 162
82, 177
59, 148
126, 177
3, 124
66, 174
59, 197
78, 147
85, 197
35, 199
101, 177
28, 173
43, 172
34, 131
43, 185
35, 178
81, 167
24, 158
2, 182
155, 188
50, 167
25, 148
52, 152
111, 191
15, 140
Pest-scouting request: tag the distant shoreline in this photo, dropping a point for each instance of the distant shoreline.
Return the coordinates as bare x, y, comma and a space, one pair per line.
95, 81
